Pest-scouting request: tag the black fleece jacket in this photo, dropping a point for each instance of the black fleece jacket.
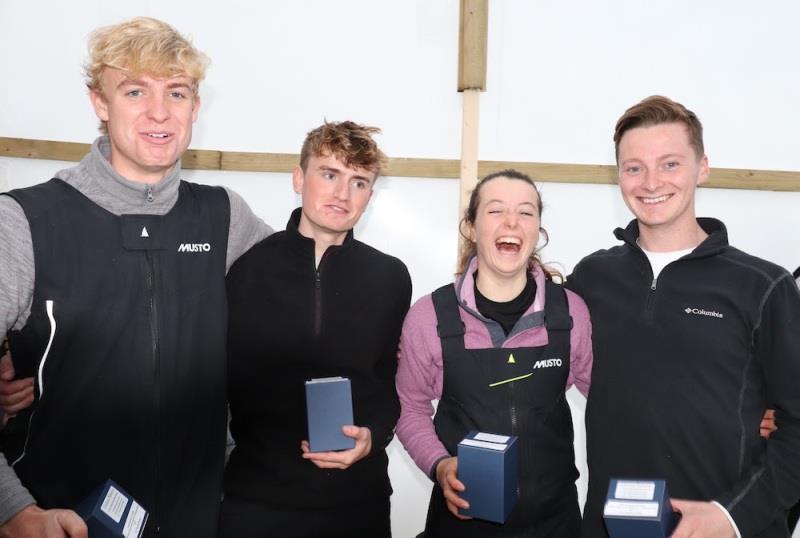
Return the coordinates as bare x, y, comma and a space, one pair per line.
684, 368
290, 321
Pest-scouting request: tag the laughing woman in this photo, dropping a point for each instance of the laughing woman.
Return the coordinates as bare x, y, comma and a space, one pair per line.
503, 304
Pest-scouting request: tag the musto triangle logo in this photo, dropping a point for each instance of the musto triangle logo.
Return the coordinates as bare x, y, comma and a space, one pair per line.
701, 312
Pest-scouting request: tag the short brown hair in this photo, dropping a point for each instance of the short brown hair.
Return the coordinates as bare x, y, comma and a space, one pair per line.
143, 46
348, 141
656, 110
468, 248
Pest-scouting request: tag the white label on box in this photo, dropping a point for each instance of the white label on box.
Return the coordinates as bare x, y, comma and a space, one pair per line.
635, 490
114, 504
491, 437
631, 509
134, 522
483, 444
325, 380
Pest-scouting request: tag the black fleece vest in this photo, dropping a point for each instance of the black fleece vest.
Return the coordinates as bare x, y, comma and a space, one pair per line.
126, 339
511, 391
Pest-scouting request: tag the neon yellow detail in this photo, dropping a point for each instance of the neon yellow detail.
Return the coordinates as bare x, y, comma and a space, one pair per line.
510, 380
511, 359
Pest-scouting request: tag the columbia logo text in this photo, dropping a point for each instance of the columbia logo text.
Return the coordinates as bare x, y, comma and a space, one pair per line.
701, 312
194, 247
547, 363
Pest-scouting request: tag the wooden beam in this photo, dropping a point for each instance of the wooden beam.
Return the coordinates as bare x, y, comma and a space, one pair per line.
197, 159
469, 146
42, 149
472, 43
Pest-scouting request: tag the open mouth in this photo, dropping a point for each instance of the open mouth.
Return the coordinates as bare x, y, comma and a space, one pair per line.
508, 244
655, 199
157, 136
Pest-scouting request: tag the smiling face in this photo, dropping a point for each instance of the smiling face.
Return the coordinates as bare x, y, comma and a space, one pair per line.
334, 198
149, 121
506, 228
659, 172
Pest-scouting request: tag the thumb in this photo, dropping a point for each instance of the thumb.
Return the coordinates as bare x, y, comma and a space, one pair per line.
7, 368
351, 431
679, 505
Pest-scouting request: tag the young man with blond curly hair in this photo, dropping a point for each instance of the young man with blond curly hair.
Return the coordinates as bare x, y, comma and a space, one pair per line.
112, 292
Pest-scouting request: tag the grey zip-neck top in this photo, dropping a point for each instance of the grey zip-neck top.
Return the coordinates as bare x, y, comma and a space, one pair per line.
97, 180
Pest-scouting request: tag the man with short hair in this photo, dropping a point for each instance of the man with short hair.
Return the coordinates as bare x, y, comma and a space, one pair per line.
313, 302
693, 339
112, 291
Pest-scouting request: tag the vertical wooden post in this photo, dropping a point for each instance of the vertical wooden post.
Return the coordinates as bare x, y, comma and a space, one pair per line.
472, 44
469, 146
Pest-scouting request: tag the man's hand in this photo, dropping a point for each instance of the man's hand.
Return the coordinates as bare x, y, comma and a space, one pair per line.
768, 426
447, 476
341, 459
15, 395
701, 520
33, 522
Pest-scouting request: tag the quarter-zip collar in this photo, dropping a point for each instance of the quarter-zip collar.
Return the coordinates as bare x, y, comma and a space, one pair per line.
532, 317
96, 179
716, 241
303, 245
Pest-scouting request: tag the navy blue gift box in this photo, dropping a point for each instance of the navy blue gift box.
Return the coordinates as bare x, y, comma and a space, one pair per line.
329, 406
639, 509
487, 466
109, 512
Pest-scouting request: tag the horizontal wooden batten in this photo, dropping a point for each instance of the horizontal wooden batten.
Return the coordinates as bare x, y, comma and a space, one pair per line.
200, 159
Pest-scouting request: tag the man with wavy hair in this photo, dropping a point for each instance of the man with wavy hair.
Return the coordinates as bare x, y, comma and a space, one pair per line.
311, 302
112, 292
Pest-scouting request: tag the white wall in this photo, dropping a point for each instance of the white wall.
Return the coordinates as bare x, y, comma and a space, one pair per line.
560, 73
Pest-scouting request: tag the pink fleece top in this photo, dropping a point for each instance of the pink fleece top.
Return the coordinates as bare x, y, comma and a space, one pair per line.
419, 372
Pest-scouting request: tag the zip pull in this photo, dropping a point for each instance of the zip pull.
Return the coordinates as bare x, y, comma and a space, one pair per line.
149, 193
653, 285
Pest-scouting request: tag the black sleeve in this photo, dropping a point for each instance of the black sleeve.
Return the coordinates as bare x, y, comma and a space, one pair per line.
772, 484
381, 417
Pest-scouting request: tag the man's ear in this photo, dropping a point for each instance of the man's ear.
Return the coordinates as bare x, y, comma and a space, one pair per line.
702, 176
298, 177
99, 104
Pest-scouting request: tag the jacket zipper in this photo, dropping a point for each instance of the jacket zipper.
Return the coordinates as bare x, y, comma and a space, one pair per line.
318, 296
317, 303
649, 305
154, 335
512, 411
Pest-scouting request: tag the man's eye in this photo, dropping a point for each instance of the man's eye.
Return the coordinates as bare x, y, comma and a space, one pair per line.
327, 175
632, 170
672, 164
360, 185
134, 93
177, 95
